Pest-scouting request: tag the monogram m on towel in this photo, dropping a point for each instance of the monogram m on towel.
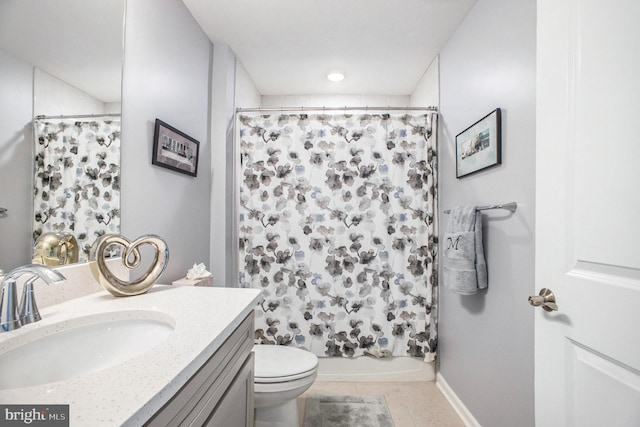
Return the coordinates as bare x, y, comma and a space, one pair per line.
465, 269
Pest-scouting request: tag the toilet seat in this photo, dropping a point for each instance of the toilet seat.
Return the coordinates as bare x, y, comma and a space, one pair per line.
278, 363
269, 380
281, 375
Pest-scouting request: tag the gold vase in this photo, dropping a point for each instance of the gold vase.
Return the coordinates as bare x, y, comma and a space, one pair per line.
55, 249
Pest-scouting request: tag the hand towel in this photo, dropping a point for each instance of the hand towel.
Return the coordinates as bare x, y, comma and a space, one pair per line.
464, 267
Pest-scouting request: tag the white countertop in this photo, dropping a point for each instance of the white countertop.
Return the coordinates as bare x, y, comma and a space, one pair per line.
130, 393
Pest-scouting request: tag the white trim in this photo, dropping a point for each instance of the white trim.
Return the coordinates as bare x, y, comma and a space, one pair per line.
367, 369
467, 417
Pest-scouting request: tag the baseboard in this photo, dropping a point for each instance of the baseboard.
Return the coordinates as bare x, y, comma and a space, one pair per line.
462, 411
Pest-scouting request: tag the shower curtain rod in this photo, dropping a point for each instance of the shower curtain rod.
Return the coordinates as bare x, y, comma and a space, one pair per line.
345, 108
78, 116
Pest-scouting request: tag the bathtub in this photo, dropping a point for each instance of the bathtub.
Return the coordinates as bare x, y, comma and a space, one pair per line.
367, 369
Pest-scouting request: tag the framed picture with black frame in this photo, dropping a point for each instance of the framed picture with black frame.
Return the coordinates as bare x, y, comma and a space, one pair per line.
175, 150
479, 146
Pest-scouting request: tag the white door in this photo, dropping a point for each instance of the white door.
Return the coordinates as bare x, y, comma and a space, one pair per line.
587, 366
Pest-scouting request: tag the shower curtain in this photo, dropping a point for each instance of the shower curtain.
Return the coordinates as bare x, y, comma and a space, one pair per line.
337, 227
77, 178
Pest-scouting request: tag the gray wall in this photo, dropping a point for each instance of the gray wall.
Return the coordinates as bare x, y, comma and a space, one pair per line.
16, 161
166, 75
486, 340
427, 91
247, 94
223, 243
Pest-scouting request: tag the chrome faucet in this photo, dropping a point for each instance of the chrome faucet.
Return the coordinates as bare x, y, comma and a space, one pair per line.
12, 316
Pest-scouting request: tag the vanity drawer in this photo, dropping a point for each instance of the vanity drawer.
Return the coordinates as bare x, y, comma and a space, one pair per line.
202, 397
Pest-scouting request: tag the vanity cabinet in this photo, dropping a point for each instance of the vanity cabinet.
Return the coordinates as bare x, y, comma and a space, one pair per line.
220, 393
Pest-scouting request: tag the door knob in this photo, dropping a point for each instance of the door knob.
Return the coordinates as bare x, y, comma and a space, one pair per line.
546, 299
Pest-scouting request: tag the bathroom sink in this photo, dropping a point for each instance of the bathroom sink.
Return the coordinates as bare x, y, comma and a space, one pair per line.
64, 350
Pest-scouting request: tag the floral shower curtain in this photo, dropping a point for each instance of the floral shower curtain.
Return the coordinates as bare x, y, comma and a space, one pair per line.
337, 228
77, 178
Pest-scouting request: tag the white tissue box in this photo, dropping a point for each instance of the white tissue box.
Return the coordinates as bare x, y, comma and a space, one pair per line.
205, 281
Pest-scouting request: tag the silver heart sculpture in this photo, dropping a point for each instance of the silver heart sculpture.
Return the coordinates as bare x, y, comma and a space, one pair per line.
130, 259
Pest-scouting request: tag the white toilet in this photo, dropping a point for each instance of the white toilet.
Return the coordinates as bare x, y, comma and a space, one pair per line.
281, 375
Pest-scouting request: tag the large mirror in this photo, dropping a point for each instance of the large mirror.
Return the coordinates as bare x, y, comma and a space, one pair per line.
74, 50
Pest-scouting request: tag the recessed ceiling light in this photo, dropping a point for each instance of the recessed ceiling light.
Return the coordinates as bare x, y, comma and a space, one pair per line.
335, 76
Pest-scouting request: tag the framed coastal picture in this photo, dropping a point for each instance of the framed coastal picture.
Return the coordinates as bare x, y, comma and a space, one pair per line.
174, 150
480, 145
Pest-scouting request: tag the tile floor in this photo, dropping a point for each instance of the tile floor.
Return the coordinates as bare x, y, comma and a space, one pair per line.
412, 404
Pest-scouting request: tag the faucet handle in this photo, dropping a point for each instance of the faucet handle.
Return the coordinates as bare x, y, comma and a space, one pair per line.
9, 319
28, 309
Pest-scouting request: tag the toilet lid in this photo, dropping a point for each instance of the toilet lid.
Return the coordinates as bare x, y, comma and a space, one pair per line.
279, 361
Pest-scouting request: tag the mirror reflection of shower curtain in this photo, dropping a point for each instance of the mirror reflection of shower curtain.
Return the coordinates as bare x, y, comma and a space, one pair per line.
337, 228
77, 178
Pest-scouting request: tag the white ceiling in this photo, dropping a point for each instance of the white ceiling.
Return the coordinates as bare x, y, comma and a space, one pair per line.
77, 41
287, 46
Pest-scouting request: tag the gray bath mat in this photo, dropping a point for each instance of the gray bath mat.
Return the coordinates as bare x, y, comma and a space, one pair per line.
346, 411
